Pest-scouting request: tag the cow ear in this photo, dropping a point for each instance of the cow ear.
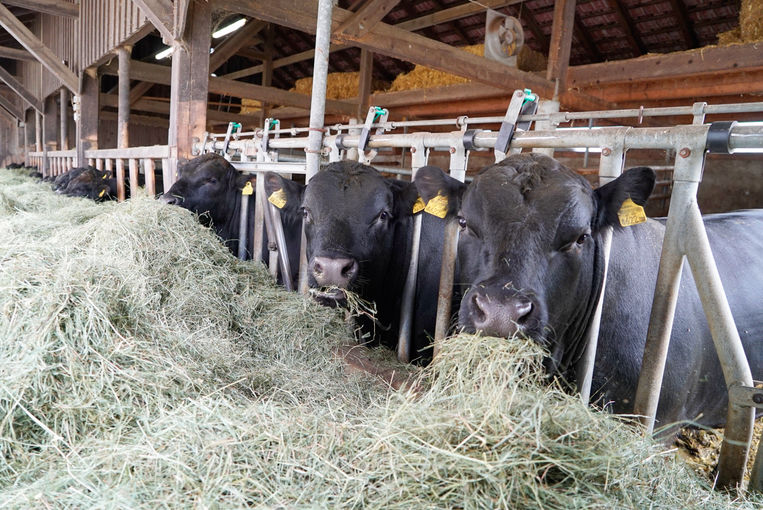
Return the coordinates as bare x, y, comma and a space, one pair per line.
283, 193
635, 184
440, 192
405, 197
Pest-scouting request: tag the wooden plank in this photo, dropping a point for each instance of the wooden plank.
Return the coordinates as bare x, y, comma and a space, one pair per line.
19, 89
281, 62
150, 151
364, 82
626, 25
684, 23
15, 54
139, 90
123, 117
87, 127
54, 7
454, 13
399, 43
12, 108
561, 42
41, 52
180, 10
365, 18
685, 63
232, 44
161, 15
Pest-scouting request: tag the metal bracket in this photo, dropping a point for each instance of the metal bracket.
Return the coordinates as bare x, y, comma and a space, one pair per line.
233, 127
269, 123
523, 102
468, 138
746, 396
718, 137
375, 114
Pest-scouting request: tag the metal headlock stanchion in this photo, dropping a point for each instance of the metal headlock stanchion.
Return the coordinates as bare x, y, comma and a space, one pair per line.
685, 236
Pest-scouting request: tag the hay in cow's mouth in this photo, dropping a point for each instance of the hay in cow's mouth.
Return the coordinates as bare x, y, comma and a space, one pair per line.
143, 366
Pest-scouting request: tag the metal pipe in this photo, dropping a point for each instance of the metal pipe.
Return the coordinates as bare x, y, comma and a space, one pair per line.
409, 294
756, 475
447, 277
736, 370
283, 250
259, 217
242, 230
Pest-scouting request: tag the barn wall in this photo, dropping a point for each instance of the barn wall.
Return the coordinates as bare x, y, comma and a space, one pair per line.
731, 182
103, 25
140, 135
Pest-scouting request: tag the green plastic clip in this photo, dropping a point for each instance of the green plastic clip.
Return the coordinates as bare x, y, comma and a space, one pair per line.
273, 122
379, 112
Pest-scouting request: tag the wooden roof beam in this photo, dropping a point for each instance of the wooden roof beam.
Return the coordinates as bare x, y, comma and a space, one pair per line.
626, 25
684, 23
367, 16
561, 42
582, 35
139, 90
161, 14
53, 7
12, 108
527, 16
41, 52
15, 54
19, 89
702, 60
232, 44
396, 42
429, 20
156, 73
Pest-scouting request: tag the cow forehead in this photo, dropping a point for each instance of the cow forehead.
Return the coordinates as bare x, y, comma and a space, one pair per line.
503, 199
343, 190
206, 165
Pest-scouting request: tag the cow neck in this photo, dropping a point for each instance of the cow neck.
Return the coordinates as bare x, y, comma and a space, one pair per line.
574, 337
229, 229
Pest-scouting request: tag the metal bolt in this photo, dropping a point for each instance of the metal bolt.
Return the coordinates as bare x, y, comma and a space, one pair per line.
452, 150
758, 398
413, 149
684, 153
606, 151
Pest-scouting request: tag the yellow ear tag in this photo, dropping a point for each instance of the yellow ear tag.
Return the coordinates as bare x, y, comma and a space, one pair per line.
103, 192
105, 177
631, 213
248, 190
278, 198
418, 206
438, 206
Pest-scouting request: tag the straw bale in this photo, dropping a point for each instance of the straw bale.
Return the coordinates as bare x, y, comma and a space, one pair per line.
751, 20
530, 60
142, 366
733, 36
250, 106
338, 85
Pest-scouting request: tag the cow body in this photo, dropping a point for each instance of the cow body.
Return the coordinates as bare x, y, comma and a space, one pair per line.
211, 187
358, 227
531, 254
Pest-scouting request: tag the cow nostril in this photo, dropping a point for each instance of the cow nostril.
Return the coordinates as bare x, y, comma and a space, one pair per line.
317, 268
478, 308
522, 310
349, 269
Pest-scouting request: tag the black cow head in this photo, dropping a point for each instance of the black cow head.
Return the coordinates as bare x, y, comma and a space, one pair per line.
91, 183
204, 186
352, 216
528, 250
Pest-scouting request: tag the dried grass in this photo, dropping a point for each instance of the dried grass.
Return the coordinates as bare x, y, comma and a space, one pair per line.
142, 366
750, 27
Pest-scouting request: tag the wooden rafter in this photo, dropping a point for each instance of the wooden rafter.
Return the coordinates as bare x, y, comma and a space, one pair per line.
582, 35
161, 14
684, 23
428, 20
180, 21
398, 43
527, 16
12, 108
19, 89
54, 7
163, 107
626, 25
15, 54
139, 90
232, 44
367, 16
161, 74
41, 52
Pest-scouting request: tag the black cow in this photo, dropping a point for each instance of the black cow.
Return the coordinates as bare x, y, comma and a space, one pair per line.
211, 187
62, 181
91, 183
358, 227
530, 250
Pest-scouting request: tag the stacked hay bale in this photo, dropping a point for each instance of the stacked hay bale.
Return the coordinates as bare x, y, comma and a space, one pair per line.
424, 77
750, 27
338, 85
250, 106
142, 366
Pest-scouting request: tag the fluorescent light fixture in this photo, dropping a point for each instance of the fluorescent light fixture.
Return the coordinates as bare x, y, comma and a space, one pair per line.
229, 28
166, 52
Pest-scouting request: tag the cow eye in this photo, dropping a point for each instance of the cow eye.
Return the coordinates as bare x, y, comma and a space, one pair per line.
383, 216
305, 214
212, 180
582, 239
462, 222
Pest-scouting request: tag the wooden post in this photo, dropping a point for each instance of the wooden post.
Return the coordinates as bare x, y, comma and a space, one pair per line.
189, 88
267, 70
89, 106
26, 141
64, 118
364, 82
48, 131
123, 118
561, 41
37, 131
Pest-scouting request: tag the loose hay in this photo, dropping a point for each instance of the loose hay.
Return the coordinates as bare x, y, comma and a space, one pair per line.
338, 85
750, 27
142, 366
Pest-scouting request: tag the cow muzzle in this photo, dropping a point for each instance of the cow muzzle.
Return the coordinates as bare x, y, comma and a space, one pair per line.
499, 313
334, 272
168, 198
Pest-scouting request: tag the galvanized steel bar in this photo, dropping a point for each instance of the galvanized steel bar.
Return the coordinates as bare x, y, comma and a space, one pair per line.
283, 251
242, 230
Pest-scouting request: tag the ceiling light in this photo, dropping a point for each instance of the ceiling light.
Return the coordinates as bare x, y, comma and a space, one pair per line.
166, 52
227, 29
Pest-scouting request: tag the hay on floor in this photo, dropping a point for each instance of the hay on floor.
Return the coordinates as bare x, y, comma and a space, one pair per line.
142, 366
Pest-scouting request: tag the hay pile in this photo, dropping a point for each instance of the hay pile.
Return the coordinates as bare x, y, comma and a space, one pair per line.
421, 77
143, 366
250, 106
338, 85
750, 27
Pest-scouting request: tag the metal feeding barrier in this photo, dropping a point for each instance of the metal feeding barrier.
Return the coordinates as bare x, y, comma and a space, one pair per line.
685, 235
